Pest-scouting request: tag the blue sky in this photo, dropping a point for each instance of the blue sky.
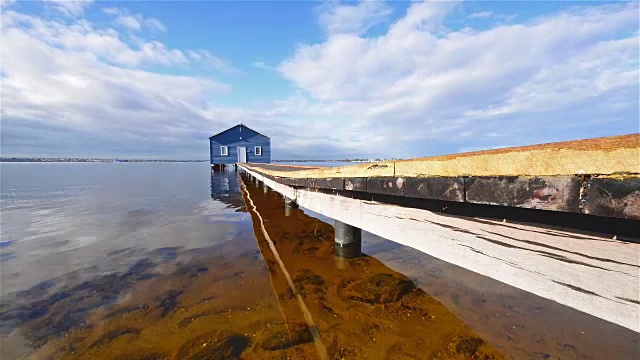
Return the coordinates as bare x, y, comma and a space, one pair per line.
153, 79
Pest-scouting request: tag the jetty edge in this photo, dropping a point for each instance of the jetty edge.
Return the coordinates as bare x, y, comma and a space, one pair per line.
599, 177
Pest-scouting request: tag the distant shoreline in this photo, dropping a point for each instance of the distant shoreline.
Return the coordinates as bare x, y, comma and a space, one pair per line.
85, 160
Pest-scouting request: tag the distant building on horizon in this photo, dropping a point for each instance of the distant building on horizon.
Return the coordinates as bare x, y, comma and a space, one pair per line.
239, 144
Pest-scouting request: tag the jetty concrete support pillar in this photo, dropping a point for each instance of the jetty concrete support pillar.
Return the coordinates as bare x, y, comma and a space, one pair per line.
289, 204
348, 240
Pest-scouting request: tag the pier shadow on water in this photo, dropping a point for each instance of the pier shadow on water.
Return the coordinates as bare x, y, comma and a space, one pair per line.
274, 291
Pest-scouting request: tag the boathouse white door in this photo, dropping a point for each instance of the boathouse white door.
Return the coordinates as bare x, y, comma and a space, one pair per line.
242, 154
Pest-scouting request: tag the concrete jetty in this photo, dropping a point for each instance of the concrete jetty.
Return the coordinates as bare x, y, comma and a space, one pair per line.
594, 176
559, 220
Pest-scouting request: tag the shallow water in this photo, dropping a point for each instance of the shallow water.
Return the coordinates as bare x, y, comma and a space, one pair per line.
61, 217
155, 261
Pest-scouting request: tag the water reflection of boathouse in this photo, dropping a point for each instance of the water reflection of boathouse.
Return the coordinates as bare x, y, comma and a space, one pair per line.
225, 187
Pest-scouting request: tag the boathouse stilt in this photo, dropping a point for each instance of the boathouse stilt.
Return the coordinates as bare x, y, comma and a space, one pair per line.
348, 240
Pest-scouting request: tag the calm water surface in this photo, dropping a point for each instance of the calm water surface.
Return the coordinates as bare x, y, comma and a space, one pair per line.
170, 261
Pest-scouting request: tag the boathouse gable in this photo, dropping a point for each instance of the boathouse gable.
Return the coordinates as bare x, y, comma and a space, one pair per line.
224, 146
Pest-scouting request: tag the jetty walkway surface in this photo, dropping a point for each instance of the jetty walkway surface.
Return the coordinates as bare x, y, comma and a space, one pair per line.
559, 220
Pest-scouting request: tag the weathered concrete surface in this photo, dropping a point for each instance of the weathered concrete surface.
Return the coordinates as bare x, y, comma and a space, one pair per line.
613, 196
304, 182
595, 275
329, 183
607, 196
438, 188
355, 184
561, 193
385, 185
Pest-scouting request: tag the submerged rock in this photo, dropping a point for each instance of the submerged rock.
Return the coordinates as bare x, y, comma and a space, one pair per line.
14, 317
112, 335
283, 339
124, 311
37, 291
166, 253
137, 270
168, 301
150, 356
306, 281
56, 314
190, 270
469, 346
213, 346
378, 289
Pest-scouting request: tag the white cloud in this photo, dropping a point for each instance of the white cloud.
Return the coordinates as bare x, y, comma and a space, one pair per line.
490, 15
134, 22
262, 65
154, 24
129, 22
103, 43
107, 44
71, 88
206, 58
6, 3
72, 8
340, 18
40, 77
111, 11
420, 75
481, 15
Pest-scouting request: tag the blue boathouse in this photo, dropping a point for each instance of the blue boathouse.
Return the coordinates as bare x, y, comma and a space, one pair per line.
239, 144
